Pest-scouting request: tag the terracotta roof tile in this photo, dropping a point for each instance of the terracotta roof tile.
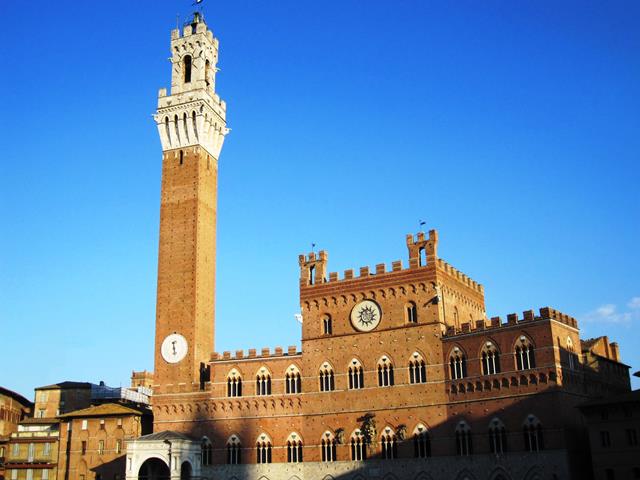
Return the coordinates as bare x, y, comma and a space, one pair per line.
105, 409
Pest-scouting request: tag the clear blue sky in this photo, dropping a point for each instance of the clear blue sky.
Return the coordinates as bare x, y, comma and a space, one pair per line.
512, 129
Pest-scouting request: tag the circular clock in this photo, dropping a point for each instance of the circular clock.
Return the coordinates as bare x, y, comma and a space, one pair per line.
174, 348
366, 316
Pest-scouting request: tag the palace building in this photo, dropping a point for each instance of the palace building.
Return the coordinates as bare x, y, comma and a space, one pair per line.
401, 374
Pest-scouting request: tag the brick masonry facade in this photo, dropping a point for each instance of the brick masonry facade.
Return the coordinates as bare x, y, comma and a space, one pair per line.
400, 365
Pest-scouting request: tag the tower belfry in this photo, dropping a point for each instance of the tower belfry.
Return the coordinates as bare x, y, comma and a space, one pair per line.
192, 126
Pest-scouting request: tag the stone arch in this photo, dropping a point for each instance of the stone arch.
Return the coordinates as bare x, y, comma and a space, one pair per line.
423, 476
465, 475
499, 473
328, 477
186, 470
534, 473
153, 468
522, 337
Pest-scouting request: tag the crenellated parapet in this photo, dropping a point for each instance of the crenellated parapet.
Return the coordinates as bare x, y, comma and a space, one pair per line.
252, 353
422, 258
528, 316
459, 276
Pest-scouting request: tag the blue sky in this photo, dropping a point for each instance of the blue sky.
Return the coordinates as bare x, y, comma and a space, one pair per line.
512, 129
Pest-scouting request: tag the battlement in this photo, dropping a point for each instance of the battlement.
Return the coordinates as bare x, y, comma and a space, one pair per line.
252, 354
545, 313
196, 26
381, 269
422, 255
457, 274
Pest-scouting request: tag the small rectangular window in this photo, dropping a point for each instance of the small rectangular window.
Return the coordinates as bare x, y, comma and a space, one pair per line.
46, 450
83, 447
84, 424
119, 422
29, 474
632, 437
102, 424
100, 447
605, 439
45, 474
118, 446
16, 450
14, 474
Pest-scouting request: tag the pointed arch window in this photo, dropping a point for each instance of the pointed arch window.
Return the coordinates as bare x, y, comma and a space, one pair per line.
206, 451
292, 380
234, 450
358, 446
497, 437
263, 449
457, 364
388, 444
490, 359
533, 439
294, 448
263, 382
385, 372
327, 379
411, 312
417, 369
456, 317
234, 384
525, 357
356, 375
464, 446
327, 325
421, 442
328, 446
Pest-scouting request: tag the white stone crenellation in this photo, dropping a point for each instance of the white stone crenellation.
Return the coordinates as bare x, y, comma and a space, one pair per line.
193, 114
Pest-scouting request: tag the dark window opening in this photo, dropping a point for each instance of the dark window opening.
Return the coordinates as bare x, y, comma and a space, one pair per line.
412, 313
187, 69
422, 256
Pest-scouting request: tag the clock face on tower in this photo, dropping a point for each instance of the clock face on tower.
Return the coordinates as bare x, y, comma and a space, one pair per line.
366, 316
174, 348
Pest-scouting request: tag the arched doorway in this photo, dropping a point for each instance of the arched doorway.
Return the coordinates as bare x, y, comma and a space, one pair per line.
154, 469
185, 471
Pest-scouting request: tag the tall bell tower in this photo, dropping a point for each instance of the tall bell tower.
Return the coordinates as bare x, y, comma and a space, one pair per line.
192, 126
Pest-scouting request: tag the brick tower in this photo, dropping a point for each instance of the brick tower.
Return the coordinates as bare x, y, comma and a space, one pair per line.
192, 126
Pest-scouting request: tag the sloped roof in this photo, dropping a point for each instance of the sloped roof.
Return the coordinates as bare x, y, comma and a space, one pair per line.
103, 410
165, 435
67, 385
16, 396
